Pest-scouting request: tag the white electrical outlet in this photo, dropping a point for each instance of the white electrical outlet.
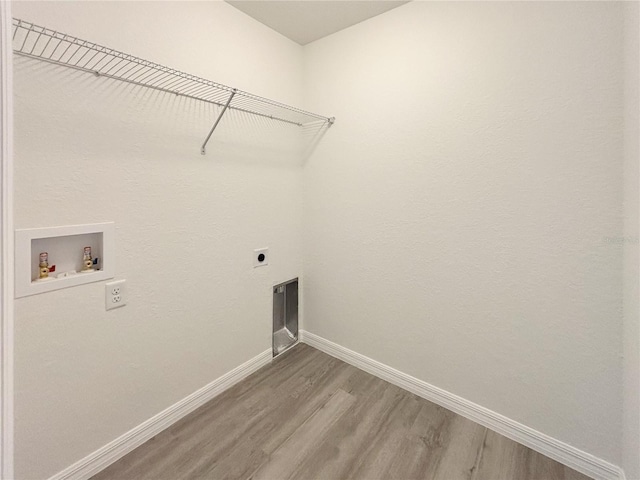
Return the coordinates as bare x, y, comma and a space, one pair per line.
115, 294
261, 257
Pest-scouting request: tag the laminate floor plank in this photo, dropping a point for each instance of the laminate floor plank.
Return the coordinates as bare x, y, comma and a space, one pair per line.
504, 459
340, 454
284, 461
387, 437
309, 416
439, 446
269, 428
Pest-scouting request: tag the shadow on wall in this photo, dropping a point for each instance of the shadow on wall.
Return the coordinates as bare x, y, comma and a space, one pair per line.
252, 138
102, 113
312, 134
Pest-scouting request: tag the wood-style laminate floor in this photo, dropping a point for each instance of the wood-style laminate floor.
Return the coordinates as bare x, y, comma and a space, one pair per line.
311, 416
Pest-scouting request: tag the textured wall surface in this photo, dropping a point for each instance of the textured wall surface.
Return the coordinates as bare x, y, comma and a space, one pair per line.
463, 215
90, 150
631, 434
462, 223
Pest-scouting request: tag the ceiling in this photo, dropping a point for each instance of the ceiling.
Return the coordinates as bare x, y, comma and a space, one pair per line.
308, 20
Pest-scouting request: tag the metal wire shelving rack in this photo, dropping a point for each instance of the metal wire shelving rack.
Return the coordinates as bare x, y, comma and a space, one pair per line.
42, 43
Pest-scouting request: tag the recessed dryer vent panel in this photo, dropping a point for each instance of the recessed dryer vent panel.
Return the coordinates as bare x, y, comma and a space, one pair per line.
285, 316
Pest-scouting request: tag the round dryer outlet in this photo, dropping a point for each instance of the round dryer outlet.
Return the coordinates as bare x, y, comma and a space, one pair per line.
261, 257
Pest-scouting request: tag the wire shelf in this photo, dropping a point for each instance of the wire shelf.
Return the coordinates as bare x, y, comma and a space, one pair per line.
42, 43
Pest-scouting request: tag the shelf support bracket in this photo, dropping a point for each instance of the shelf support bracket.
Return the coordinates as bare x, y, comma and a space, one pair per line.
203, 150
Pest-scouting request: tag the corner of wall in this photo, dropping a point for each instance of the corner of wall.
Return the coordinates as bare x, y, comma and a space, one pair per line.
631, 308
6, 244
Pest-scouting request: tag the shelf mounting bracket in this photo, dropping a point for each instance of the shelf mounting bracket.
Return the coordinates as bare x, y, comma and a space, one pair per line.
203, 150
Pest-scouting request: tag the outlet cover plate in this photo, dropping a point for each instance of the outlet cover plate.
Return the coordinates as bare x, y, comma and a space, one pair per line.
115, 294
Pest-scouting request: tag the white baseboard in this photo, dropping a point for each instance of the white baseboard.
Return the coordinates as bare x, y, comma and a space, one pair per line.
105, 456
555, 449
561, 452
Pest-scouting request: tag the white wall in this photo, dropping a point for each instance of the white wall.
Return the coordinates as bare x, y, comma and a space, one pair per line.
89, 150
463, 215
631, 409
